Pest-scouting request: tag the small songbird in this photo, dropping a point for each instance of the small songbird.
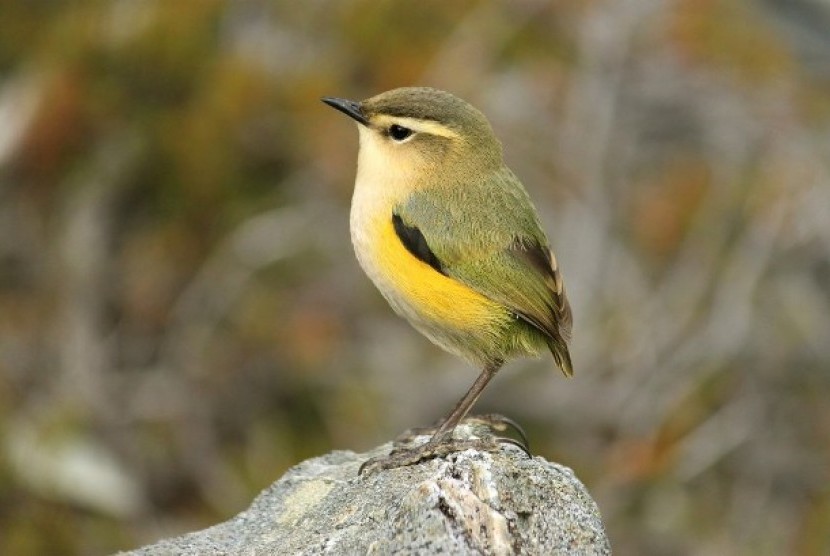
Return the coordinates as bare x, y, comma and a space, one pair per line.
451, 239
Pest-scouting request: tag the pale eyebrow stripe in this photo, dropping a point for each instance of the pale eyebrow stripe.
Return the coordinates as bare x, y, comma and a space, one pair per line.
424, 126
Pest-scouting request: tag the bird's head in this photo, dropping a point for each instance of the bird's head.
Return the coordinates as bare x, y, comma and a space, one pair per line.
421, 132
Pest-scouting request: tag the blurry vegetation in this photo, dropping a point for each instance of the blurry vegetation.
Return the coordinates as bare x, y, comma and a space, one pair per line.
182, 318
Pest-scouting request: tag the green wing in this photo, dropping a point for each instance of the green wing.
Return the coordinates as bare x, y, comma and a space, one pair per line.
487, 236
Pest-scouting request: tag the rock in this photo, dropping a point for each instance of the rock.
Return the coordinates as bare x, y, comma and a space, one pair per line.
468, 503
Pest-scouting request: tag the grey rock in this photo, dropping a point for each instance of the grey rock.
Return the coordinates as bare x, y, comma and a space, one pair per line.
470, 502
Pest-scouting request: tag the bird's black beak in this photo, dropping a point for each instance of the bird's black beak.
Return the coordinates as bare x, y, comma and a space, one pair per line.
348, 107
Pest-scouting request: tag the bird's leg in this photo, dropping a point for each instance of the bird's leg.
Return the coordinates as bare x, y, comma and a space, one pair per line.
496, 422
464, 405
442, 442
446, 425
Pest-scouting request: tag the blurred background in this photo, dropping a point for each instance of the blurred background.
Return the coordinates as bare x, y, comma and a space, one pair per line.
182, 318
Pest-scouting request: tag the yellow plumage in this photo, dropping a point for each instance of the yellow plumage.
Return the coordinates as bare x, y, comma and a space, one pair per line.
433, 295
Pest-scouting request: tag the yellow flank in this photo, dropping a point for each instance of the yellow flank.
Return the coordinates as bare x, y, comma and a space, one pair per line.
433, 296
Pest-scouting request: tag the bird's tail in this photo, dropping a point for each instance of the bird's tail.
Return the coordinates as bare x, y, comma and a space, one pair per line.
562, 356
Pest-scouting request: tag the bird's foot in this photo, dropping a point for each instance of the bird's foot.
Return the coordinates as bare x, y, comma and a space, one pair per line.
405, 453
403, 457
493, 421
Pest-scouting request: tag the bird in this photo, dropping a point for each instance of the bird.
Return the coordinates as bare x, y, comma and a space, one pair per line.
451, 239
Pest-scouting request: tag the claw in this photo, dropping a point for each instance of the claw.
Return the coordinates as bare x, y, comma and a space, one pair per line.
513, 442
501, 423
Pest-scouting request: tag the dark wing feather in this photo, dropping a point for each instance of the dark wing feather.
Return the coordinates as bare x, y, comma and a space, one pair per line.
557, 323
415, 243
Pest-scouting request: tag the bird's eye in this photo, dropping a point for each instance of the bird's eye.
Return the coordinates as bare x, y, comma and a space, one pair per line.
399, 132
